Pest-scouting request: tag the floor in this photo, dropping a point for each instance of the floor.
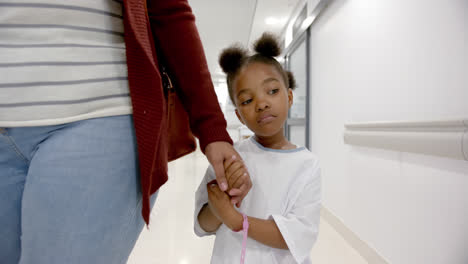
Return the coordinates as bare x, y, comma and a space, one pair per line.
170, 237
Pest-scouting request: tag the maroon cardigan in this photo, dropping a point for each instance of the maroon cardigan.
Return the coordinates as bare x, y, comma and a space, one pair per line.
170, 26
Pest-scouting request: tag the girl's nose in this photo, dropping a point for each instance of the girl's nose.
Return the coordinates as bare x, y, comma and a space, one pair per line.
262, 105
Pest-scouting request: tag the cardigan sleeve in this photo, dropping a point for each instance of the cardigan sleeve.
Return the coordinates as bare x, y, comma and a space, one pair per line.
178, 42
201, 198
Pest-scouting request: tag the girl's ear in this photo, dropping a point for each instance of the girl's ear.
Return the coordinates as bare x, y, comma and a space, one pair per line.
239, 117
290, 97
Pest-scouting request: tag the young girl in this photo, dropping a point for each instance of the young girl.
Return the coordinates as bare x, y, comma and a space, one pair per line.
282, 209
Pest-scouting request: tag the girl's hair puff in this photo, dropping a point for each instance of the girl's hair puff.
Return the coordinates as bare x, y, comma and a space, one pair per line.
266, 49
232, 58
267, 45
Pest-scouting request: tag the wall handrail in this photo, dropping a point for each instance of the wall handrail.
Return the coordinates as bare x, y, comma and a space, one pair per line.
445, 138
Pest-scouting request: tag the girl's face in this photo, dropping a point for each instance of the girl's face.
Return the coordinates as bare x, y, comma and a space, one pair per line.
261, 98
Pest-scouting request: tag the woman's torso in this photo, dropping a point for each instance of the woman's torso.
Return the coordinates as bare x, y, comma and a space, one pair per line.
61, 61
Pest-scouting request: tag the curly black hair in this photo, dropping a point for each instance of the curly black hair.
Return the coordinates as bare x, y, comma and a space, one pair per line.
266, 48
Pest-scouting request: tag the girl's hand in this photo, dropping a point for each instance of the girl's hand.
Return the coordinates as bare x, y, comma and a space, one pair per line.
238, 179
220, 204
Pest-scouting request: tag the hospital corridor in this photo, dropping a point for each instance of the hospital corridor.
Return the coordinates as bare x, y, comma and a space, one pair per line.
381, 99
292, 131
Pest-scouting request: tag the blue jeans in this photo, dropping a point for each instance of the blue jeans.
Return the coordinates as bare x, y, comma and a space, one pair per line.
70, 193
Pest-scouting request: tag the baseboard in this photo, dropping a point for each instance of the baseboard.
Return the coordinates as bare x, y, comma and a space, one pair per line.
368, 253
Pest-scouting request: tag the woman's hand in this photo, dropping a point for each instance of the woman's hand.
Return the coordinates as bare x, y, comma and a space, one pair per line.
221, 154
220, 205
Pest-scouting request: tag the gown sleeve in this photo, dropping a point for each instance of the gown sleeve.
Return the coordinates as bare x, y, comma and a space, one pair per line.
299, 226
201, 198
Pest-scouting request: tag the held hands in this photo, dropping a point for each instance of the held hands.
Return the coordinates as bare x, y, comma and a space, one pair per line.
230, 175
220, 203
221, 206
237, 177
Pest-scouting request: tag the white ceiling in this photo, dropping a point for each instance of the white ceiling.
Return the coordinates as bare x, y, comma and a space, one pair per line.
222, 23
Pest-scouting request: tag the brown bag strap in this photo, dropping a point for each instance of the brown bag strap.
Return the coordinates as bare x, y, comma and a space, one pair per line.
166, 81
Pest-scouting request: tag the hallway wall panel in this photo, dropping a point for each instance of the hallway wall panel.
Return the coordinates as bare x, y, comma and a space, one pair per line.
392, 61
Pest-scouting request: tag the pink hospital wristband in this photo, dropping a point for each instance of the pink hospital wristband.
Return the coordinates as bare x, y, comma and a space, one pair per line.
245, 231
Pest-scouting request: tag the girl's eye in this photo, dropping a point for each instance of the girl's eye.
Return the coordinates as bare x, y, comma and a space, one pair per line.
273, 91
246, 102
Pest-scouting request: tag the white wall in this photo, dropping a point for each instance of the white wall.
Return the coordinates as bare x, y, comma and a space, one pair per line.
392, 60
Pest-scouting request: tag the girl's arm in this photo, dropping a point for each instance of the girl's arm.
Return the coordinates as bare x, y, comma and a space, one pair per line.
220, 207
264, 231
207, 220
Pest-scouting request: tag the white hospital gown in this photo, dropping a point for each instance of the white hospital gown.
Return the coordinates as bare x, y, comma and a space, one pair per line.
286, 188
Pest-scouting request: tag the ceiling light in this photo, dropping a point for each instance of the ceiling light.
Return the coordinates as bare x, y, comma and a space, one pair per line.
307, 22
183, 261
273, 21
289, 35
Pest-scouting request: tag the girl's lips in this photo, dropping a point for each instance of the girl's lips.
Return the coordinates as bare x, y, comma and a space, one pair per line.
266, 119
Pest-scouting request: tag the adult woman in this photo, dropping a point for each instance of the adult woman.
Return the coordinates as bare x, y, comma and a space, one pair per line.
83, 146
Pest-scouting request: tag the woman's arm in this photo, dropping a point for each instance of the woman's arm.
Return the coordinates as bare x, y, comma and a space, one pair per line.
177, 40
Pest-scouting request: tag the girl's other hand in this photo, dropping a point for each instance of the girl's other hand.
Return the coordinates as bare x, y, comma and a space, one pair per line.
220, 204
